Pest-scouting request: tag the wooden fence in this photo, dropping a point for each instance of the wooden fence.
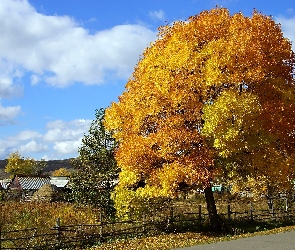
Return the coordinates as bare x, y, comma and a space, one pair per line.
176, 219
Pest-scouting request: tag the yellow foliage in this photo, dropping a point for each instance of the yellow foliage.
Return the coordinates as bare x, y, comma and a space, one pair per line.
20, 165
205, 90
61, 172
232, 120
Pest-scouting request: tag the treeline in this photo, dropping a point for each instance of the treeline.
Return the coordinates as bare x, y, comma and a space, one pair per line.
51, 166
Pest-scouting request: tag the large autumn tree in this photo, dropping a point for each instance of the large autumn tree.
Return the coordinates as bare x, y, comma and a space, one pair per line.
212, 97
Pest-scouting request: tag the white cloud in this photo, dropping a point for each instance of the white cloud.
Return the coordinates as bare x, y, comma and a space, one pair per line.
157, 15
7, 143
35, 79
67, 147
7, 114
3, 153
32, 146
27, 135
59, 51
7, 88
22, 142
288, 27
59, 130
60, 140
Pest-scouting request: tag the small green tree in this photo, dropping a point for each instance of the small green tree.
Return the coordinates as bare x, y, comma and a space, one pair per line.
20, 165
97, 170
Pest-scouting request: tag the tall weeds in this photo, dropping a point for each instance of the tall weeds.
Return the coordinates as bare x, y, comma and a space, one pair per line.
19, 215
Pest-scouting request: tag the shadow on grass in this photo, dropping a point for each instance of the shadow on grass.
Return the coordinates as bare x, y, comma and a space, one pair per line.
234, 228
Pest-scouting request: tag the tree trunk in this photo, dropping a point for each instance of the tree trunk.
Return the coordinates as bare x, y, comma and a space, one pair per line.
211, 207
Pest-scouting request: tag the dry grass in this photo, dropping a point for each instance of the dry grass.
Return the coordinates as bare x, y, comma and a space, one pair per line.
178, 240
16, 215
171, 241
43, 215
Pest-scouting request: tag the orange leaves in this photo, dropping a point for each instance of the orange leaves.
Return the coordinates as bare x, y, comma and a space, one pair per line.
277, 98
217, 85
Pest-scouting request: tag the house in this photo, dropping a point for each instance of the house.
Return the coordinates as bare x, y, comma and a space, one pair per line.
4, 184
28, 183
24, 186
59, 181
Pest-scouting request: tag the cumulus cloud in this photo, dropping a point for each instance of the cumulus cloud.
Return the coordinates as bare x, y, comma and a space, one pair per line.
57, 50
7, 88
288, 27
67, 147
3, 153
157, 15
59, 130
22, 142
60, 140
32, 146
66, 136
26, 135
7, 114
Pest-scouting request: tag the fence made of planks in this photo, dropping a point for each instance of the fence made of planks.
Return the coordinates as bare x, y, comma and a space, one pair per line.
173, 219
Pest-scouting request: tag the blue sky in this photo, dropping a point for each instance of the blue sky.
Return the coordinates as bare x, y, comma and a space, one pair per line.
62, 59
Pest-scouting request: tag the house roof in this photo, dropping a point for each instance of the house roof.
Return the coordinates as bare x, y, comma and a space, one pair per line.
29, 182
59, 181
4, 183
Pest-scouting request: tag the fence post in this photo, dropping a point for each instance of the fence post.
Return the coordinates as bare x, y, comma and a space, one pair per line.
143, 222
286, 204
171, 213
170, 219
272, 209
100, 220
228, 213
58, 236
200, 216
251, 211
270, 206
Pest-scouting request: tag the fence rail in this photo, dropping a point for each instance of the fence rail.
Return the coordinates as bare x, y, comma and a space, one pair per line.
61, 236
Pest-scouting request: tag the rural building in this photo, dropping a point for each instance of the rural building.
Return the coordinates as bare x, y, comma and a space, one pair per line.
4, 184
28, 183
26, 186
59, 181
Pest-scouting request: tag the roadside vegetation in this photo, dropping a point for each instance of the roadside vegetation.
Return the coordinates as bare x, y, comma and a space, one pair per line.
178, 240
43, 215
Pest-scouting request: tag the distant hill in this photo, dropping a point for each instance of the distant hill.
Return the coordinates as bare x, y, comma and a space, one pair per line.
3, 163
56, 164
51, 166
3, 175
